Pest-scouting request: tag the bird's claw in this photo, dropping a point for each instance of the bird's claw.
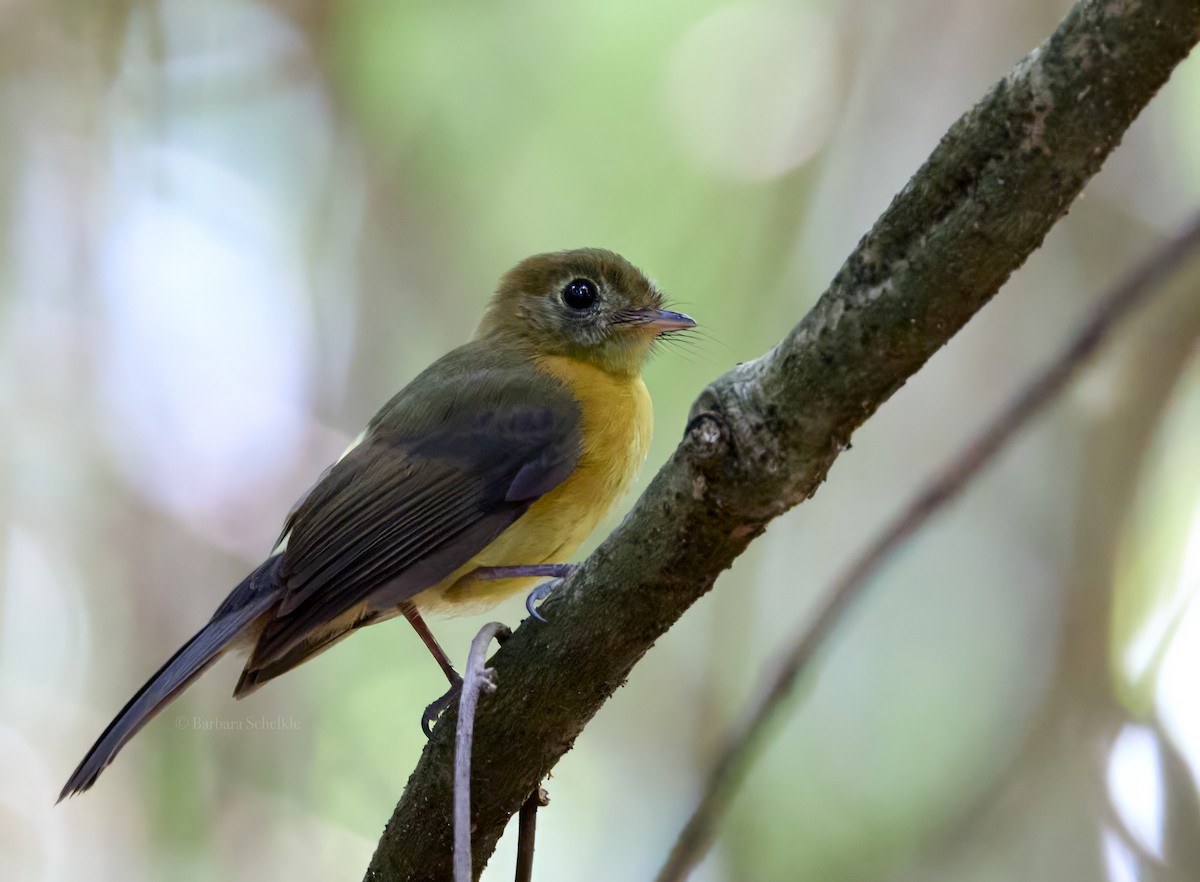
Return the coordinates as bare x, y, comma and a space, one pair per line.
438, 707
540, 593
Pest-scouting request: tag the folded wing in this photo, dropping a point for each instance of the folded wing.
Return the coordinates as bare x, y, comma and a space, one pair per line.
440, 474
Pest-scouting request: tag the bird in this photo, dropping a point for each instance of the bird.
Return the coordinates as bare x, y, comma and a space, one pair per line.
479, 478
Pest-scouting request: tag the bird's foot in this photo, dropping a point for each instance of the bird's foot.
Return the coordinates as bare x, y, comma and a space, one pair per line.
538, 594
558, 572
438, 707
541, 592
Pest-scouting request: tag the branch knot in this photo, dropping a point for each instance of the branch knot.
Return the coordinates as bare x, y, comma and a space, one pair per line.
707, 433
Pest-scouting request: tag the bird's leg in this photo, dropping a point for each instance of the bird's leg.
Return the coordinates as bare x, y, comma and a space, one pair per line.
436, 708
557, 572
439, 654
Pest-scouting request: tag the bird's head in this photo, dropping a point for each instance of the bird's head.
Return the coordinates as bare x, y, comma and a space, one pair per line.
588, 304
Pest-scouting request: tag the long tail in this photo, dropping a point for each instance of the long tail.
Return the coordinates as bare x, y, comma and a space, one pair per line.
249, 600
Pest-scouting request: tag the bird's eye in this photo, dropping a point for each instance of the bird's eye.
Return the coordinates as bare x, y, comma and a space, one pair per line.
580, 293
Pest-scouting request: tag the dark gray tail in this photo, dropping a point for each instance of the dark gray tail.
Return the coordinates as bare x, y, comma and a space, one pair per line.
192, 659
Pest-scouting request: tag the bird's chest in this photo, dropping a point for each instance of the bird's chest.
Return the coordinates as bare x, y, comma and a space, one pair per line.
617, 420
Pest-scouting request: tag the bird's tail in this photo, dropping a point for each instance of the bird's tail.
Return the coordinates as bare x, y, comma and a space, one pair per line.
192, 659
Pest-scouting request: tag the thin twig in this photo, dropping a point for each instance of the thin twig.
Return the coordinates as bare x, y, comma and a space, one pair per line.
476, 678
1115, 306
527, 832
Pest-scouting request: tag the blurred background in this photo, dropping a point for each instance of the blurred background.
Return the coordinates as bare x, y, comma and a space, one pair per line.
229, 231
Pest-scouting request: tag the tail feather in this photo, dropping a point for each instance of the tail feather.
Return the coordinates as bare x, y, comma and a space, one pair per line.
192, 659
254, 677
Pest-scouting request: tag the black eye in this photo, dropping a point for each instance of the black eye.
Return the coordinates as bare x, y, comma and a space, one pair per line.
580, 293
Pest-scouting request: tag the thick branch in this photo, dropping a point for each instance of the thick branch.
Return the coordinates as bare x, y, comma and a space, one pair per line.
1117, 306
762, 437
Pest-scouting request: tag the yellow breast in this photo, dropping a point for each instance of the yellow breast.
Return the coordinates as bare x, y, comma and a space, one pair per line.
617, 420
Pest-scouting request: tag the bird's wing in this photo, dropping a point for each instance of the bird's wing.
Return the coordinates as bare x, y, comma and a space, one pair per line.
435, 480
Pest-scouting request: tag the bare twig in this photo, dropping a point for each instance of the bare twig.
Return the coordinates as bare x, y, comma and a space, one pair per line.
476, 679
1117, 305
527, 832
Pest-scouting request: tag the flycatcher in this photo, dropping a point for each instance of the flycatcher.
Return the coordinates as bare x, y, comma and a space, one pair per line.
481, 476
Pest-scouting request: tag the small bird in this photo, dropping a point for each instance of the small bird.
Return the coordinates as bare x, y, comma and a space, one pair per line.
481, 476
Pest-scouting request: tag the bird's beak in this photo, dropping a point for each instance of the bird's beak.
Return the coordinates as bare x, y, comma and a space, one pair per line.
660, 321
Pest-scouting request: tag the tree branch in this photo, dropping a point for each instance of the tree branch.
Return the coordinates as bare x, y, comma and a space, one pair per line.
762, 437
476, 680
1118, 305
